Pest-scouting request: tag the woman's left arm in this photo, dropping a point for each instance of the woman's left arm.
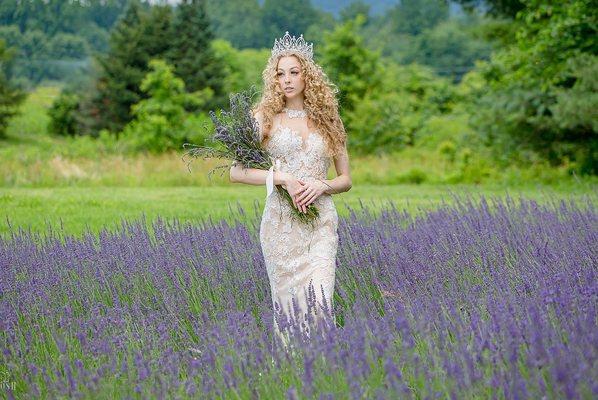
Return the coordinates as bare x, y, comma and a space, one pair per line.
342, 183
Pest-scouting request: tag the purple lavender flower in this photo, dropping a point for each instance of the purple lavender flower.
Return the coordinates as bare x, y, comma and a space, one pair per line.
465, 315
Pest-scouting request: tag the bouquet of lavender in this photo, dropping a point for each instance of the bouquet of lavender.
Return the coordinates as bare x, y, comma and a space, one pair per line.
236, 134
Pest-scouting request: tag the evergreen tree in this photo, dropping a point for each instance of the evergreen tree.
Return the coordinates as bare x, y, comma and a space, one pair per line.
63, 114
122, 70
158, 33
136, 38
192, 55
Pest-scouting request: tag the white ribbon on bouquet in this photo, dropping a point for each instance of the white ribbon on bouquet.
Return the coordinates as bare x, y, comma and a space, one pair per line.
270, 177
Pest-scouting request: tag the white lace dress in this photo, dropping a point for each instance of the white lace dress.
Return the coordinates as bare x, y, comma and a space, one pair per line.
296, 254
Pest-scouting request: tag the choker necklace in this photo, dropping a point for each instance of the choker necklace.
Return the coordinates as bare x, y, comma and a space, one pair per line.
295, 113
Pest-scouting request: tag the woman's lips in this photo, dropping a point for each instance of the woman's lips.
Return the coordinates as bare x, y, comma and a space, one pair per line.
288, 90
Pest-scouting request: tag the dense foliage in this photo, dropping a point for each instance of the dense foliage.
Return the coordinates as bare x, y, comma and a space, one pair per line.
182, 39
538, 96
159, 121
63, 114
508, 8
393, 116
427, 32
353, 68
191, 53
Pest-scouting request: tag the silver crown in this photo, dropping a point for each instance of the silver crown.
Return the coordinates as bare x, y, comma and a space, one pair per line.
291, 44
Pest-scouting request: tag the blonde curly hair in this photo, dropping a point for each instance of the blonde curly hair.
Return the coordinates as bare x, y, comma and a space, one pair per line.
320, 102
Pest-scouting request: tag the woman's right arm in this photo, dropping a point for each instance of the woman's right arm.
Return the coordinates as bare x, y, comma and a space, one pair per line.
256, 176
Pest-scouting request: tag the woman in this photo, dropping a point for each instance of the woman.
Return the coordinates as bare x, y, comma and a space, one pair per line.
300, 126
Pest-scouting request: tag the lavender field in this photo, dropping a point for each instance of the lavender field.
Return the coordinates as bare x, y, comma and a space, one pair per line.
482, 298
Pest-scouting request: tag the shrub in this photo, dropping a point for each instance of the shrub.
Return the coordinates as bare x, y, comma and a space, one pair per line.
388, 119
62, 114
448, 150
414, 175
159, 122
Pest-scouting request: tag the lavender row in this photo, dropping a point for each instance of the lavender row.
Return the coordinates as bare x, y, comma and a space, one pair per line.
480, 298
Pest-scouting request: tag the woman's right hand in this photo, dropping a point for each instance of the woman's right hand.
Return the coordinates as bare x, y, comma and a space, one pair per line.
295, 188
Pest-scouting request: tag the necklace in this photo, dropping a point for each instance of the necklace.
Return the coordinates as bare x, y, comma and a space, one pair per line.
295, 113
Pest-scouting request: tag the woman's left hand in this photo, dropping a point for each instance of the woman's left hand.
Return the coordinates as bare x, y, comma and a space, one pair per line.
312, 191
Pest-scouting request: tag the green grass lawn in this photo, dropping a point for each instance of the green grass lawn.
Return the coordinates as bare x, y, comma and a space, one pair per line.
76, 183
76, 208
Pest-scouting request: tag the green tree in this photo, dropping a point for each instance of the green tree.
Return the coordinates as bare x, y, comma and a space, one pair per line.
414, 16
575, 107
121, 72
351, 11
138, 36
62, 113
183, 39
239, 66
237, 21
33, 51
159, 119
11, 97
349, 64
11, 35
390, 118
539, 97
66, 45
51, 31
508, 8
279, 16
104, 13
158, 32
192, 53
449, 47
66, 16
420, 31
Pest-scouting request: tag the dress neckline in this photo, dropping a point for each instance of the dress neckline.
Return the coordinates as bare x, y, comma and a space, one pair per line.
296, 133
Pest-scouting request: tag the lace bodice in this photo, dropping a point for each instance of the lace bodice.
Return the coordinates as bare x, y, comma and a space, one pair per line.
303, 160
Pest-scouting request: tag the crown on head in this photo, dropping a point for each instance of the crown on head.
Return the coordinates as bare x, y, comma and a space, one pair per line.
291, 44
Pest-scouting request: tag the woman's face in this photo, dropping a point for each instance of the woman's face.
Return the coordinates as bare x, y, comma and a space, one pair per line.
290, 78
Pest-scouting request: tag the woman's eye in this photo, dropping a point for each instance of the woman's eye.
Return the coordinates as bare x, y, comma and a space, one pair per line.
294, 72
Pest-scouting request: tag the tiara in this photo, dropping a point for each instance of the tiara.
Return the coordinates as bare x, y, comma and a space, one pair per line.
292, 44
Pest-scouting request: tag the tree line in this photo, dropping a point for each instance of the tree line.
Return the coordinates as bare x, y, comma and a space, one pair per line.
58, 41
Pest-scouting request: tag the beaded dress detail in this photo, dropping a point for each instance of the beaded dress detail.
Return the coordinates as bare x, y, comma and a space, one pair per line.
298, 254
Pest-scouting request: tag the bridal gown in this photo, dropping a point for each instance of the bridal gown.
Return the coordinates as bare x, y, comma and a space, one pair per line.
297, 254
